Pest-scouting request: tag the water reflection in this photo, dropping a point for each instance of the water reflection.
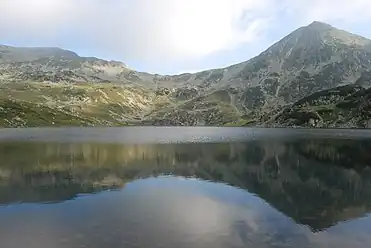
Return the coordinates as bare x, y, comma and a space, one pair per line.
288, 193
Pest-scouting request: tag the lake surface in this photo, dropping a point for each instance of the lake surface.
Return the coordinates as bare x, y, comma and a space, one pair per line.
185, 187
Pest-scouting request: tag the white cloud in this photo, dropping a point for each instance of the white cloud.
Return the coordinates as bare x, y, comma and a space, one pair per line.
145, 29
156, 31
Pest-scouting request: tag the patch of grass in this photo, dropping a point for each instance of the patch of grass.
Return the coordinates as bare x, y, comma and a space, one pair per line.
17, 113
219, 95
239, 123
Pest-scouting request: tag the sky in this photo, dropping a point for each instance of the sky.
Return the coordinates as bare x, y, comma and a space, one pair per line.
171, 36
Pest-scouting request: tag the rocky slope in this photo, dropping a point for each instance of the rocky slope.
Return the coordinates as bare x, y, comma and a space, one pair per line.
344, 106
313, 58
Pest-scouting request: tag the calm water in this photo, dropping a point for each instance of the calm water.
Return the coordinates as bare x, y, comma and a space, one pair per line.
211, 187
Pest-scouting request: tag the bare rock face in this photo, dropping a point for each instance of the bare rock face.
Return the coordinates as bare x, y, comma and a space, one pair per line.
311, 59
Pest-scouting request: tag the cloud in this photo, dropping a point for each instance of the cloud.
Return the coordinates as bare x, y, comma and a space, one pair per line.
156, 31
145, 29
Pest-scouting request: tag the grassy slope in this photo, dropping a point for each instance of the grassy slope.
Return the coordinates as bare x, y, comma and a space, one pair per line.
46, 104
25, 114
213, 109
31, 104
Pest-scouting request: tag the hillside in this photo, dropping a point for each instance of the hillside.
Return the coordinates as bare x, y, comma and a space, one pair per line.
91, 91
343, 106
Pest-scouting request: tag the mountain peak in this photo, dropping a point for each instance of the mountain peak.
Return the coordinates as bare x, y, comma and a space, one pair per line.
314, 38
319, 25
329, 34
315, 45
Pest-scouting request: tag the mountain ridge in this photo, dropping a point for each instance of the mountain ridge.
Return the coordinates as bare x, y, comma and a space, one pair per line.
312, 58
318, 25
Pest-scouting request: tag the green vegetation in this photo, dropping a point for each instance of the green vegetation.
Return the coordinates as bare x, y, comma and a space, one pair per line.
345, 106
24, 114
295, 82
240, 123
48, 104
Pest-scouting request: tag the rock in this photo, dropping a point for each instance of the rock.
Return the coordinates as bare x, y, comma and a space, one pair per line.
301, 72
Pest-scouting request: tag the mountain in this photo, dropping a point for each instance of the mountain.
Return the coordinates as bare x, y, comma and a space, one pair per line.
313, 58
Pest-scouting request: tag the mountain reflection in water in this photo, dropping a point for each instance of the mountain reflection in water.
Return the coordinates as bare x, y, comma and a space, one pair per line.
308, 193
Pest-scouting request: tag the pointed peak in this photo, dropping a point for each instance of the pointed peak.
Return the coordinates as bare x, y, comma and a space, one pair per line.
319, 25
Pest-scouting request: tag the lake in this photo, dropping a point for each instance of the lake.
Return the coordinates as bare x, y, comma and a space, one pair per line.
184, 187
